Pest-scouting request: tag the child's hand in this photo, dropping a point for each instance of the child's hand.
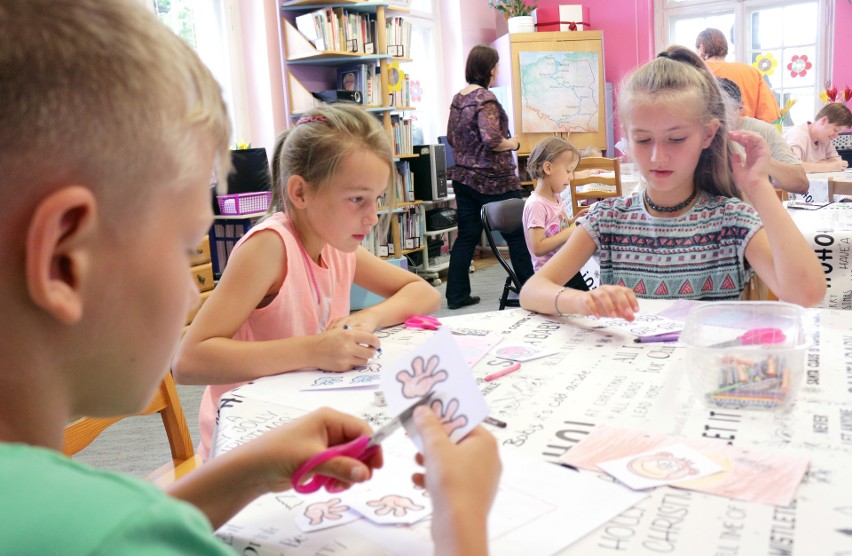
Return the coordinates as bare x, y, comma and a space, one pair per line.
340, 349
273, 458
461, 478
361, 320
750, 170
610, 301
582, 212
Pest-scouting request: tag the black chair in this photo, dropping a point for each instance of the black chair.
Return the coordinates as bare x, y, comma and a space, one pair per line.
504, 216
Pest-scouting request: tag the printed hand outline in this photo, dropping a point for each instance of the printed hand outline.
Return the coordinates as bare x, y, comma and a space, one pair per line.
364, 379
449, 420
327, 380
328, 510
423, 377
399, 505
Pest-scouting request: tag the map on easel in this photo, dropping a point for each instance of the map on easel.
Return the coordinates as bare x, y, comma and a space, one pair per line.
560, 91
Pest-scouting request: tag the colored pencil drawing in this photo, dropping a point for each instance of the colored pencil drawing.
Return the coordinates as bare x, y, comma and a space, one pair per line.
321, 511
399, 506
661, 466
422, 378
449, 419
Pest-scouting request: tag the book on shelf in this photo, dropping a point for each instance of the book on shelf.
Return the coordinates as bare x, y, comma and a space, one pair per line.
404, 182
398, 37
339, 30
403, 143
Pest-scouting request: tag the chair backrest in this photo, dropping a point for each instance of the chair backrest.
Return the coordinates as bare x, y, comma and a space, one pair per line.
83, 431
503, 216
590, 165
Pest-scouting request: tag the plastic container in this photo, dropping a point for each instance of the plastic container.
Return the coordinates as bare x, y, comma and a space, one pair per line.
746, 355
244, 203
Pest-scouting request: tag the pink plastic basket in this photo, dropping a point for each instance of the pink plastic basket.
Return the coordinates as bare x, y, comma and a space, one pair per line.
244, 203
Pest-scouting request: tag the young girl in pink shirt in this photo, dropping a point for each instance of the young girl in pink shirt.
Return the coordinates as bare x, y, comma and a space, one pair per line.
282, 303
546, 224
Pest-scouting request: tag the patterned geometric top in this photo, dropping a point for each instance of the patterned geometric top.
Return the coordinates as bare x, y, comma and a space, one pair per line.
477, 125
697, 255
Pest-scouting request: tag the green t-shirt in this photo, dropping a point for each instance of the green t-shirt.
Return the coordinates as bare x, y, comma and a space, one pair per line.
50, 504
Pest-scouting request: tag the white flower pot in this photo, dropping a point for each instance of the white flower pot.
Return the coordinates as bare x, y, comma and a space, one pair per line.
521, 24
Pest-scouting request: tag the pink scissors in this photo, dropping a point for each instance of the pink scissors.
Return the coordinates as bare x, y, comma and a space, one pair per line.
362, 448
423, 322
755, 336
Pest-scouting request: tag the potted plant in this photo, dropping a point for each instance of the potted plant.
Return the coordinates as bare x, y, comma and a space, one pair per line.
517, 13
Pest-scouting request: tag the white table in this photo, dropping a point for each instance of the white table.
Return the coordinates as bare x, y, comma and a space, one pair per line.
824, 185
599, 376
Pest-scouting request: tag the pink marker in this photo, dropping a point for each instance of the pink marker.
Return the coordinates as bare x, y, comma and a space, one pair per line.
504, 372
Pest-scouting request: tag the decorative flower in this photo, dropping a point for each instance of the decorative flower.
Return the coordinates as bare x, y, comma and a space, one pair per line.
395, 77
416, 91
799, 66
830, 94
765, 63
785, 110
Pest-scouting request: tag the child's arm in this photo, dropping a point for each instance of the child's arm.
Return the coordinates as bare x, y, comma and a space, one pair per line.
789, 177
828, 165
209, 355
540, 245
462, 482
224, 485
544, 292
405, 293
778, 253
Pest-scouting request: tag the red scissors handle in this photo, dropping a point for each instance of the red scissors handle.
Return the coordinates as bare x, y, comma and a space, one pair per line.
424, 322
358, 449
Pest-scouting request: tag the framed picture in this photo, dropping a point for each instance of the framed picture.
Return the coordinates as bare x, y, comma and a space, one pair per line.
351, 79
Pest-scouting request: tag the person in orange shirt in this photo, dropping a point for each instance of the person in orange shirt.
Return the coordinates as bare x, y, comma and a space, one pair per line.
757, 98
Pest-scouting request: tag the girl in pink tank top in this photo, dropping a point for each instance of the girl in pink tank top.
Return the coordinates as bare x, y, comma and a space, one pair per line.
282, 303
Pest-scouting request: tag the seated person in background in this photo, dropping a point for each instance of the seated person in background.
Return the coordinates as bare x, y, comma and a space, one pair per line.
546, 225
104, 184
785, 170
811, 141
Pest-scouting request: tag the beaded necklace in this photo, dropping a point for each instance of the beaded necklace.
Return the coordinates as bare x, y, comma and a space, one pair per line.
675, 208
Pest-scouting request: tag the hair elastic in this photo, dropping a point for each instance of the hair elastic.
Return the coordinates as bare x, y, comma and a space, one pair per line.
310, 119
664, 54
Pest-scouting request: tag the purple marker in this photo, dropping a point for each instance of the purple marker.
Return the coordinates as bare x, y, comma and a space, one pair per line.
664, 337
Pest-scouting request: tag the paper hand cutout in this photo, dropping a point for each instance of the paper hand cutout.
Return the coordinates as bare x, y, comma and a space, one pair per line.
449, 422
399, 505
365, 379
330, 510
422, 379
327, 381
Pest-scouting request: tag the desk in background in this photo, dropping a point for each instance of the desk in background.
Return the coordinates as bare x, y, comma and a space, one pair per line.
824, 186
600, 376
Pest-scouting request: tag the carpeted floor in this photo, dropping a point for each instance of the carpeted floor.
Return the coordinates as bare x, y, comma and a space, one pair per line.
138, 445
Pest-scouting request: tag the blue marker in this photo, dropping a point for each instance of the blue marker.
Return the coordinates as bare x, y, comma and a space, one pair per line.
664, 337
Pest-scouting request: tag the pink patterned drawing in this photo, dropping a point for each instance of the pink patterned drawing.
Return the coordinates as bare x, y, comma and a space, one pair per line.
329, 510
422, 378
392, 503
450, 421
662, 466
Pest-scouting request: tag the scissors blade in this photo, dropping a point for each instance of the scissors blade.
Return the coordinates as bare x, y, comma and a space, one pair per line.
388, 428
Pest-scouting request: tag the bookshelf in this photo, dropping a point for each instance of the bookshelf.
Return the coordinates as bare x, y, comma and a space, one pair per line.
360, 44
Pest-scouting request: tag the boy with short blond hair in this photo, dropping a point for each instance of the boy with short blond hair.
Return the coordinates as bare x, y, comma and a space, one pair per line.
811, 142
111, 126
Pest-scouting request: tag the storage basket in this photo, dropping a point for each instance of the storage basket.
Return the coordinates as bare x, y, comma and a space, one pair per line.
244, 203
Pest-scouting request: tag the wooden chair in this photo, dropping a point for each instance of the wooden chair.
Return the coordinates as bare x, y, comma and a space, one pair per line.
504, 216
83, 431
611, 178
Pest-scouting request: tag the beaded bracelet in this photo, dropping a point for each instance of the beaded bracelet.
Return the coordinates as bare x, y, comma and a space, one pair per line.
556, 302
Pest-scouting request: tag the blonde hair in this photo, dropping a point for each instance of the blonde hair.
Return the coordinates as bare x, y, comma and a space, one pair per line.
548, 150
678, 77
315, 147
99, 93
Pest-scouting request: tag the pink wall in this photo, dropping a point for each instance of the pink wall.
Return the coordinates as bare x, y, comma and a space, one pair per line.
842, 71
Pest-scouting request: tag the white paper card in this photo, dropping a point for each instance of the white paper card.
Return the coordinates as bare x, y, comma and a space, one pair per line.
520, 351
437, 365
666, 466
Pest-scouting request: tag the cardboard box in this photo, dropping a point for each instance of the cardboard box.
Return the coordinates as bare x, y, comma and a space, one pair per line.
558, 18
202, 252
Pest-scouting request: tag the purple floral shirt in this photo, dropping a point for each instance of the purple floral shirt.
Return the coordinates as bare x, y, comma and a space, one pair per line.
477, 124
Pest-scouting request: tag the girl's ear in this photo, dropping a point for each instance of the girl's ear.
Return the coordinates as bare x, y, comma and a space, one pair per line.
710, 130
58, 251
547, 168
297, 191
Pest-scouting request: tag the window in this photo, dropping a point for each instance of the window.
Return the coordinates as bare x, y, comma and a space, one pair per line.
779, 38
200, 24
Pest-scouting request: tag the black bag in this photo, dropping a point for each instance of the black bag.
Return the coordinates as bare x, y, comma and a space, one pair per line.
440, 219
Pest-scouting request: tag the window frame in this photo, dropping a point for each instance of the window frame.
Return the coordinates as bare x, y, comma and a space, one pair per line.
665, 10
